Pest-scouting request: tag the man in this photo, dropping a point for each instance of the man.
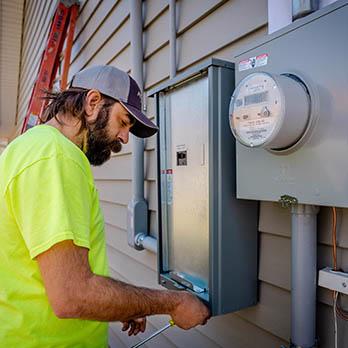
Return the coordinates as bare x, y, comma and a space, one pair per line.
55, 290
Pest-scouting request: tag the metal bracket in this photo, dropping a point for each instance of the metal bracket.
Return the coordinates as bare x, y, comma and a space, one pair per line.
287, 201
139, 239
182, 280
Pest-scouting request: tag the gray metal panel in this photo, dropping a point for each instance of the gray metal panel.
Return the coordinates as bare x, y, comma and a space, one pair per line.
317, 172
233, 222
204, 231
189, 233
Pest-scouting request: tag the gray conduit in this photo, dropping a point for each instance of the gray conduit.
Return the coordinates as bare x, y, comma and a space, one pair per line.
137, 217
147, 242
303, 275
138, 236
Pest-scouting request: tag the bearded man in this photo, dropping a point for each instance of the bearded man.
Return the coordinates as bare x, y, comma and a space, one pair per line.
55, 289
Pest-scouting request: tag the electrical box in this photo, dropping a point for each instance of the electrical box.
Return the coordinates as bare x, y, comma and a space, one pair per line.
207, 238
289, 112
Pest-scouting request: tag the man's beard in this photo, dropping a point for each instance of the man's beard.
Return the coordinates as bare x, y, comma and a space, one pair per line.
99, 146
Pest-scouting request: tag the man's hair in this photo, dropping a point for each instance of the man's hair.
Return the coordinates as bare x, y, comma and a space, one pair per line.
72, 102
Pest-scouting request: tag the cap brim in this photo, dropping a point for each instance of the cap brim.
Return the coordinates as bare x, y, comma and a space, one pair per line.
143, 127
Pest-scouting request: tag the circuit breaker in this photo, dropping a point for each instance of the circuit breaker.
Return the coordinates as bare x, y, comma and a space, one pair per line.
289, 112
207, 238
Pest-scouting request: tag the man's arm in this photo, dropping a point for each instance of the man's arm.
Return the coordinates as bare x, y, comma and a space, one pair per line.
75, 292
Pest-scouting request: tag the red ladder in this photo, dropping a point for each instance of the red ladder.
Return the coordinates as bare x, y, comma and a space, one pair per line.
65, 17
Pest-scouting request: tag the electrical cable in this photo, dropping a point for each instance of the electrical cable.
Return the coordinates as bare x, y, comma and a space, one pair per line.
343, 314
334, 238
335, 318
334, 256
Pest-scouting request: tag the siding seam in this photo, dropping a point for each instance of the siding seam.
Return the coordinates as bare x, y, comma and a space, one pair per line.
274, 234
156, 50
127, 45
156, 17
200, 18
130, 257
261, 328
122, 204
210, 54
87, 21
95, 31
105, 42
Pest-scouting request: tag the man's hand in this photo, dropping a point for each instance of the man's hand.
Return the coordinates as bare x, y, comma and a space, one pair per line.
134, 326
190, 312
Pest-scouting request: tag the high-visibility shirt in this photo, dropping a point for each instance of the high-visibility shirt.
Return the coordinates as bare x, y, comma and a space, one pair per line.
48, 195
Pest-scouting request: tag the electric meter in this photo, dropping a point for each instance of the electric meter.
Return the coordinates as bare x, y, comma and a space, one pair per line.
269, 111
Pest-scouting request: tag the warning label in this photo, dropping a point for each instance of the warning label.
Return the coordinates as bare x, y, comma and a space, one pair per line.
253, 62
256, 131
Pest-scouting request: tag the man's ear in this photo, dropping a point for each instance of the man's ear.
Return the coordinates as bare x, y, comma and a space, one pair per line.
93, 103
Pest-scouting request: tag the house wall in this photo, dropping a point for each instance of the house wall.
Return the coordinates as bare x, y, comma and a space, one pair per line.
206, 28
11, 17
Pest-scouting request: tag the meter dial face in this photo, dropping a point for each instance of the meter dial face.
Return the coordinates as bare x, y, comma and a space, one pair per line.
256, 110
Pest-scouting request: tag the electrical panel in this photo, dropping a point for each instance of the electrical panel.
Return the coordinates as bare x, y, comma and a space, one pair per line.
207, 238
289, 112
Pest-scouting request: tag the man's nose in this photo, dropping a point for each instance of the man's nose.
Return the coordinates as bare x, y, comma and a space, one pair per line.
124, 136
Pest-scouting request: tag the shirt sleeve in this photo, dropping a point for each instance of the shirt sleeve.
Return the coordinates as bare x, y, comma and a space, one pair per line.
51, 202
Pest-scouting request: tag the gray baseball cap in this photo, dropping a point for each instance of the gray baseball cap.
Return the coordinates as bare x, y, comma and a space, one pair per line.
117, 84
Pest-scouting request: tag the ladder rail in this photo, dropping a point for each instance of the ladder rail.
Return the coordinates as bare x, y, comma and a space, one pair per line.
73, 18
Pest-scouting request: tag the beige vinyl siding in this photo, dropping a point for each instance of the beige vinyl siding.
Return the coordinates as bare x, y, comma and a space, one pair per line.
107, 34
11, 18
37, 20
205, 28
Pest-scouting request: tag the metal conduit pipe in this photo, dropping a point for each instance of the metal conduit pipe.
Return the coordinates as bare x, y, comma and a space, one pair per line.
147, 242
138, 208
141, 239
303, 275
279, 14
172, 40
303, 217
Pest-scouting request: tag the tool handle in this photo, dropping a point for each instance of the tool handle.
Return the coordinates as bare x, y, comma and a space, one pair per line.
171, 323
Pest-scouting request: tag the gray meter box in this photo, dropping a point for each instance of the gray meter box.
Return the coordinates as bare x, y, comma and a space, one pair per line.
207, 238
315, 170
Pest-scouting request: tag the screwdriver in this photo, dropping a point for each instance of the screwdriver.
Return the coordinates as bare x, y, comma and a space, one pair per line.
171, 323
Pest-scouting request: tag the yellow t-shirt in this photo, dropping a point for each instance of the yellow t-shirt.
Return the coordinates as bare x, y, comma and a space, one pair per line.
47, 196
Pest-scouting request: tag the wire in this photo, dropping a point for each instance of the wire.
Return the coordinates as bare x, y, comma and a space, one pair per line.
334, 228
335, 317
343, 314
